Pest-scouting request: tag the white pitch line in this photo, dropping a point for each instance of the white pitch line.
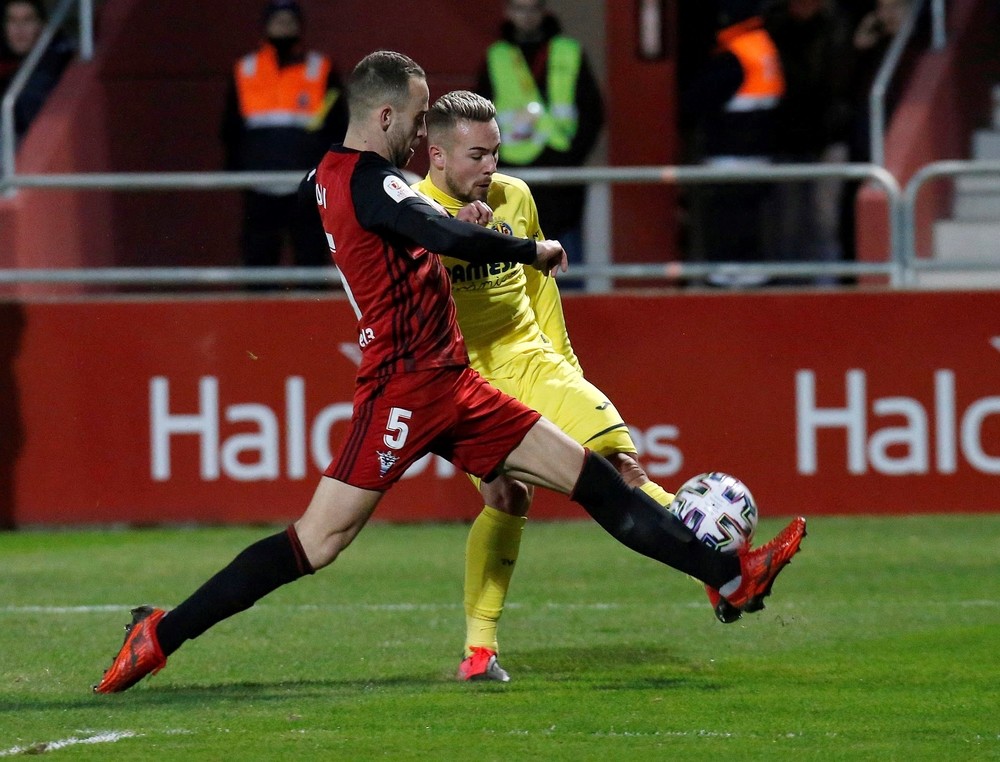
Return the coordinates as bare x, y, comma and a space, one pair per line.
111, 736
59, 609
551, 605
102, 609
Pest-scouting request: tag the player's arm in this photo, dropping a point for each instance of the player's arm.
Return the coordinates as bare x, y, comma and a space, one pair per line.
543, 293
423, 224
390, 205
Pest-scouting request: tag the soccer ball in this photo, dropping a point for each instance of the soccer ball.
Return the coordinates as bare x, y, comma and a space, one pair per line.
719, 509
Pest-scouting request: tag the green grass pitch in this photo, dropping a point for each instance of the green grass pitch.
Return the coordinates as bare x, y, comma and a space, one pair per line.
881, 642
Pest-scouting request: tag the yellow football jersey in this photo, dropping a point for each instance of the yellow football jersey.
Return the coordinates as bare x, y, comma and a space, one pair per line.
512, 320
504, 307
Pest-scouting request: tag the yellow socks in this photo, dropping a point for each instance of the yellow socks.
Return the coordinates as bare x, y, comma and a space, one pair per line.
490, 555
657, 492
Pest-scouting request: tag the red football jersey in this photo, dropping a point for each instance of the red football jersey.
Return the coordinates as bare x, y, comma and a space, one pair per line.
400, 292
382, 235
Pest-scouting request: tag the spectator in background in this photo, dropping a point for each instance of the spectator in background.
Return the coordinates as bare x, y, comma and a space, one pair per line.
812, 119
732, 102
549, 109
870, 42
23, 23
283, 111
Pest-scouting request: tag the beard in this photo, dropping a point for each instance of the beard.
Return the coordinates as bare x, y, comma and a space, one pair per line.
399, 150
465, 195
400, 155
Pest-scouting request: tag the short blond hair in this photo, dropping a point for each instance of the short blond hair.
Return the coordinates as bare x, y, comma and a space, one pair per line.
456, 106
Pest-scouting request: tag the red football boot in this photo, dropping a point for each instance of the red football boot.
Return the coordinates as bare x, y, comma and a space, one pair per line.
759, 567
140, 654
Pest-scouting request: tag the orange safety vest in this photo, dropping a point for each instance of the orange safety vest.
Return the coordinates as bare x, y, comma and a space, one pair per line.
274, 96
763, 82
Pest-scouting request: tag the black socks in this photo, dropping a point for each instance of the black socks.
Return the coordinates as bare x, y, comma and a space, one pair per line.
637, 521
264, 566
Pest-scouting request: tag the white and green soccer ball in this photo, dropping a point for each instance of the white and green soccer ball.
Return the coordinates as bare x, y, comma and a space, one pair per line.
719, 509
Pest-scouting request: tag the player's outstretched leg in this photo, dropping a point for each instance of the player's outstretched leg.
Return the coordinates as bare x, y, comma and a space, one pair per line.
638, 522
155, 634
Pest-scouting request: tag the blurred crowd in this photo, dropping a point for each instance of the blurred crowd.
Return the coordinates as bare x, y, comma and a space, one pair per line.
778, 81
759, 82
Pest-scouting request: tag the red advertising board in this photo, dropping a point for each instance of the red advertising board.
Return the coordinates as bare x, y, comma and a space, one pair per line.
226, 410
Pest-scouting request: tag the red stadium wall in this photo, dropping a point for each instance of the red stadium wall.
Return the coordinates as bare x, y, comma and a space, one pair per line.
226, 410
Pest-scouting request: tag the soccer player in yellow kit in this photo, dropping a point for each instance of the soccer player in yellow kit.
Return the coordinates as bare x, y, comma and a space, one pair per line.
512, 321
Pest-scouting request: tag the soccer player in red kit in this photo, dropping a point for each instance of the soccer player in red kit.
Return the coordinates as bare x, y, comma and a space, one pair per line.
416, 393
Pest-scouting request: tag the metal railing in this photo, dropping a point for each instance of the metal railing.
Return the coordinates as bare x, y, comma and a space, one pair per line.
8, 136
602, 273
912, 264
893, 56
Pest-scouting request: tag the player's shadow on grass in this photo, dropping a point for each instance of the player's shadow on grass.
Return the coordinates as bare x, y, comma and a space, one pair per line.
612, 668
653, 667
148, 693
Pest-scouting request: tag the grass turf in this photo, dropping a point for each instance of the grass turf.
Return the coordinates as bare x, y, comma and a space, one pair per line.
880, 642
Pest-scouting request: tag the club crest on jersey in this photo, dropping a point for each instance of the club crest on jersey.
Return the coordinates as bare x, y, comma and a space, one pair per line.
386, 460
397, 189
502, 227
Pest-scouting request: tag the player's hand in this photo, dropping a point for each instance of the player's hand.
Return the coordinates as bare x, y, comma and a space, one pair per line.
477, 212
550, 257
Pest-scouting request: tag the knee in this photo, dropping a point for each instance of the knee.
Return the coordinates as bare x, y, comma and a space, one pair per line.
320, 548
629, 468
508, 496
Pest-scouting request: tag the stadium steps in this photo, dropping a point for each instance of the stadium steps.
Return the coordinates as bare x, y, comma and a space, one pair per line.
973, 232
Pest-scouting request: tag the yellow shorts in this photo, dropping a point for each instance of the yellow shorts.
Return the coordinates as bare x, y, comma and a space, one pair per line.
541, 379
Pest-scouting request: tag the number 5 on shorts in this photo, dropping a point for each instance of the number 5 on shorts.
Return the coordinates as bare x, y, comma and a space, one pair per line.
397, 428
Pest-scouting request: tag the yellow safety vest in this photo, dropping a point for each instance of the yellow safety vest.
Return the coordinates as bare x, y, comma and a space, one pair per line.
527, 123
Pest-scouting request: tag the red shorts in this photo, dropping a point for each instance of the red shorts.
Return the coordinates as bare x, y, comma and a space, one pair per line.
452, 412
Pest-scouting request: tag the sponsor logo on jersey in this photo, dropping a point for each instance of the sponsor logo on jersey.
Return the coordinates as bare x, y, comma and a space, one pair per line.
462, 273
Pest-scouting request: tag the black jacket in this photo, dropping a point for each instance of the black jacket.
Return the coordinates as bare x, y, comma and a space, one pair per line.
40, 84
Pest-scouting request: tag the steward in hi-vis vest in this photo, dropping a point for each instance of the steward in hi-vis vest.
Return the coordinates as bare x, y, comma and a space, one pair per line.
763, 82
284, 109
736, 96
529, 122
730, 108
549, 109
281, 110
